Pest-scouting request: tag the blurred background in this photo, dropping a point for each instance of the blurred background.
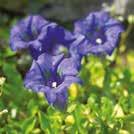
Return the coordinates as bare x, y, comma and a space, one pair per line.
104, 104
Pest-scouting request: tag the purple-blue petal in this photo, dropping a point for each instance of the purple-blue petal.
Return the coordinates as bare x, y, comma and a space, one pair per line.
98, 26
68, 66
45, 70
25, 31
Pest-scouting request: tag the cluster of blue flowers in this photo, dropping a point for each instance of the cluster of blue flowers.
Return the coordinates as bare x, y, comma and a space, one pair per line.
57, 52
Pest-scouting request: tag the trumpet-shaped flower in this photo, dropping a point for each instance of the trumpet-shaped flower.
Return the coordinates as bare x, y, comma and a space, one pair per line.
39, 35
100, 32
52, 75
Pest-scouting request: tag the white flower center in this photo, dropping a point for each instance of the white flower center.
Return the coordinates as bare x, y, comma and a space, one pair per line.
40, 49
99, 40
54, 84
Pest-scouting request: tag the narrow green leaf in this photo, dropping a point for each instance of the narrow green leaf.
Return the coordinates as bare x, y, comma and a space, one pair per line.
28, 125
44, 122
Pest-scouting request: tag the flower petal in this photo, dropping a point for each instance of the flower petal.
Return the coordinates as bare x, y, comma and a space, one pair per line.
98, 26
25, 30
68, 66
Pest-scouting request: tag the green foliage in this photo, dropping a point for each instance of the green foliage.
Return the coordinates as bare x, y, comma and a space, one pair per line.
28, 125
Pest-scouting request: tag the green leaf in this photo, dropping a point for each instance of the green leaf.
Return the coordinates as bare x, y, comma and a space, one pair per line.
44, 122
107, 78
12, 75
33, 107
78, 120
106, 108
28, 125
129, 118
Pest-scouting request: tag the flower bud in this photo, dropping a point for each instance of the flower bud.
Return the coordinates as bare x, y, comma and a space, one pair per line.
73, 91
2, 80
70, 120
131, 19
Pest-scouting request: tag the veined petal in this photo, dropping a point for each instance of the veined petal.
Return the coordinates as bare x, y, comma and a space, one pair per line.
68, 67
25, 31
101, 31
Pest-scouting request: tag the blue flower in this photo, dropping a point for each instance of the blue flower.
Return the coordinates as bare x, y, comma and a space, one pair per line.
57, 40
52, 75
39, 36
27, 31
99, 32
